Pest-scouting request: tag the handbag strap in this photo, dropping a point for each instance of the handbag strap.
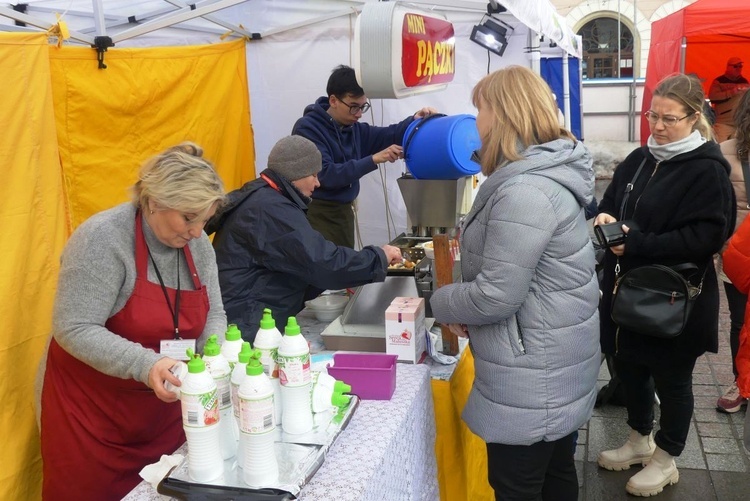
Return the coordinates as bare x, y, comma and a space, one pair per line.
629, 188
746, 176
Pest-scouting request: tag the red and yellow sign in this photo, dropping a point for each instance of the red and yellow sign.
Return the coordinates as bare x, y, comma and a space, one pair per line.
428, 50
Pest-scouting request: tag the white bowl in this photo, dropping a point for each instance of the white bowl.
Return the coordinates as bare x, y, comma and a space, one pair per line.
328, 307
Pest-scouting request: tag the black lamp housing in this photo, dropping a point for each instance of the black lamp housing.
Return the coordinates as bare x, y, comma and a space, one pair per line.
491, 35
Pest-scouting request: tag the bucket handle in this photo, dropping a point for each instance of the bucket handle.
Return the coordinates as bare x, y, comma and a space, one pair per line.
417, 127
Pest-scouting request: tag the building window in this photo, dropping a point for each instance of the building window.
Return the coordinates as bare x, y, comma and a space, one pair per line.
600, 54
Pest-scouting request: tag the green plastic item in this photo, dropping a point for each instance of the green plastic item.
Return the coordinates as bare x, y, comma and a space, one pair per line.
292, 329
196, 364
245, 353
254, 367
340, 400
267, 322
212, 347
233, 333
341, 387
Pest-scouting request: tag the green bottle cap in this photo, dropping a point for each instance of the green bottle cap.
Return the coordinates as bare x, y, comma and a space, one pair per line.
196, 364
291, 329
243, 356
340, 400
254, 367
233, 333
341, 387
267, 322
212, 347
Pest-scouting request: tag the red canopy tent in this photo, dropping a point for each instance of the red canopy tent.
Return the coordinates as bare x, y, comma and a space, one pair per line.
697, 39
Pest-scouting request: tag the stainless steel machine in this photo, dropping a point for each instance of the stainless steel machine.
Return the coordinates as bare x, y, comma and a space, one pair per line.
433, 206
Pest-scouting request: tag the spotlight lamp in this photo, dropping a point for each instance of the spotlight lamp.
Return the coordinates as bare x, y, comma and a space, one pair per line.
491, 34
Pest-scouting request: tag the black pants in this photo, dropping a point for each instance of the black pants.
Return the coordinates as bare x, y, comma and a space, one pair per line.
674, 382
334, 220
526, 472
736, 302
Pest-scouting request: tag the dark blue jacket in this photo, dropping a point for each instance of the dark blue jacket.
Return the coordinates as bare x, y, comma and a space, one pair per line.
269, 256
347, 151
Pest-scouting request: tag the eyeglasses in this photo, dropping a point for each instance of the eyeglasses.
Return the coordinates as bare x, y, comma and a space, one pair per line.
356, 108
738, 65
668, 121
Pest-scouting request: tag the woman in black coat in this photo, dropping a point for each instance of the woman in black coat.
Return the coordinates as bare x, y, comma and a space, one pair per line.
682, 205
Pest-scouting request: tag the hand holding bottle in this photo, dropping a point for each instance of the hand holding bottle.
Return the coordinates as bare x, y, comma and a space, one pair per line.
158, 374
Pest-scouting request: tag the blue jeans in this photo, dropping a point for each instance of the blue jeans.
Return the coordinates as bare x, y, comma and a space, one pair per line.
673, 380
526, 472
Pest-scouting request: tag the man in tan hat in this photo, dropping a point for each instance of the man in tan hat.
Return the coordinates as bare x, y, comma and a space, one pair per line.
725, 94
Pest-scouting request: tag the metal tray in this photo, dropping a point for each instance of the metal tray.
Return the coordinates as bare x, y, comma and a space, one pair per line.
299, 457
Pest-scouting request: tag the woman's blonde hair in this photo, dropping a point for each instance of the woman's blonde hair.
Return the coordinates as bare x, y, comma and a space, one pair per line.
688, 91
523, 113
179, 179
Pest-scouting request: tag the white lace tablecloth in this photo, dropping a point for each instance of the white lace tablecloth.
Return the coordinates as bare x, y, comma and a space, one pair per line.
387, 453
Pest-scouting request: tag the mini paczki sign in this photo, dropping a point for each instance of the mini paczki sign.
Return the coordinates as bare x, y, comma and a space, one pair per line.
428, 50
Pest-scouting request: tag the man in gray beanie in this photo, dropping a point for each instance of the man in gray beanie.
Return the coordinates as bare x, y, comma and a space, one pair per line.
267, 253
295, 157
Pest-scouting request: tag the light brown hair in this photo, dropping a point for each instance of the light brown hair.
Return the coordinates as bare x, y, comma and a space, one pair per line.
523, 112
742, 124
688, 91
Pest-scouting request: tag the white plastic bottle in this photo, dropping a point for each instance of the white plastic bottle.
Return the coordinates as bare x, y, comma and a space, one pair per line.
257, 425
232, 344
267, 340
200, 418
238, 375
218, 367
327, 392
294, 375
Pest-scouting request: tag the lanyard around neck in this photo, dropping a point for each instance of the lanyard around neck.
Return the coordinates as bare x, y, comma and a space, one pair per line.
176, 310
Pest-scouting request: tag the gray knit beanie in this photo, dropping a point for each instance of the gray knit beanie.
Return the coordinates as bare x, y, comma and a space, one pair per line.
295, 157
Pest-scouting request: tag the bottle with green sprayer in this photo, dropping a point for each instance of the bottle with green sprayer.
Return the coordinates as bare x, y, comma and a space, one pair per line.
218, 366
257, 426
238, 375
232, 344
267, 340
294, 376
200, 419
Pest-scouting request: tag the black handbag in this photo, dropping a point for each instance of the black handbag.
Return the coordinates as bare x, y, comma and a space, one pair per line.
655, 299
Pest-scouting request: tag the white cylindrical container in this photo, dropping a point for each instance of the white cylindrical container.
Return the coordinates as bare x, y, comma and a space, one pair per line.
239, 373
200, 418
179, 370
327, 392
267, 340
294, 376
218, 367
232, 344
257, 425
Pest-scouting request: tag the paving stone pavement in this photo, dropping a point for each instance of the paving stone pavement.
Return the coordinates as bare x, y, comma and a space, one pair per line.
714, 465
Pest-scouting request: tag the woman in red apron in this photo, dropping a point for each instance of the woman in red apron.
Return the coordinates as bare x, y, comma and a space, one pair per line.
105, 411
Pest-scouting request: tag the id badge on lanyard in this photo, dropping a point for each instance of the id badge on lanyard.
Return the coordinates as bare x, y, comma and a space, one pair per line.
176, 348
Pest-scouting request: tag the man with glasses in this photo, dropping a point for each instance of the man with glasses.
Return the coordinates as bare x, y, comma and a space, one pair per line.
350, 149
725, 94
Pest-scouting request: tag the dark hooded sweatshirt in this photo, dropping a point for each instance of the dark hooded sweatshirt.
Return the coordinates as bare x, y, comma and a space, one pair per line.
685, 211
347, 150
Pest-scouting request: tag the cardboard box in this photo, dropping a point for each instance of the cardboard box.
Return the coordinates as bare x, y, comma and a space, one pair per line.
405, 333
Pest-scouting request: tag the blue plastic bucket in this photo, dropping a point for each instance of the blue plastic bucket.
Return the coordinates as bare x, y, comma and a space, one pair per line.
440, 147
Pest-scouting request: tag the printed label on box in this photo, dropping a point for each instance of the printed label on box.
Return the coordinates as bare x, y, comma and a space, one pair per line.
405, 329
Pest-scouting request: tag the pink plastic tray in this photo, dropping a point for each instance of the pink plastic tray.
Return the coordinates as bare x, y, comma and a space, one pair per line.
372, 376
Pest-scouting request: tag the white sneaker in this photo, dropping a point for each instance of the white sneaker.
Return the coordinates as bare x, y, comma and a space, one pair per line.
637, 450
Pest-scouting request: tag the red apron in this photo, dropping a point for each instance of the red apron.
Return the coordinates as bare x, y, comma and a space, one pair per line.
98, 431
